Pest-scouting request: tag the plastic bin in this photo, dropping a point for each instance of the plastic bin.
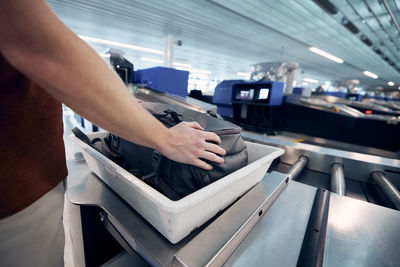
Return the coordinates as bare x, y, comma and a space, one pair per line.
176, 219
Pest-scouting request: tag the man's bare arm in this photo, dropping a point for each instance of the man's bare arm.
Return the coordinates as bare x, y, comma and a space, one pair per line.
39, 45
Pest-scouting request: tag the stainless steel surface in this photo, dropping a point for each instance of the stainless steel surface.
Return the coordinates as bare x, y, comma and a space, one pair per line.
297, 167
276, 240
149, 95
138, 261
217, 242
338, 184
361, 234
317, 103
339, 108
328, 143
227, 250
387, 187
124, 259
204, 105
140, 235
150, 244
358, 166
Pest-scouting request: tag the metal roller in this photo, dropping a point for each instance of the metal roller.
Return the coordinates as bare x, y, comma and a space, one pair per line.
387, 187
297, 167
338, 184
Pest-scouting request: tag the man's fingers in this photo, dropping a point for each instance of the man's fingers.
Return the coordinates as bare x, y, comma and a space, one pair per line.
209, 136
195, 125
215, 149
211, 157
201, 164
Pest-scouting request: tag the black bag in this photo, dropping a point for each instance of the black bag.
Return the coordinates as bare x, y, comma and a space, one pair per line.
177, 180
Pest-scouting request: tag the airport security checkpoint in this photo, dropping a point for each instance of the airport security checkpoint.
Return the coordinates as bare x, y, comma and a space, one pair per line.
326, 197
311, 173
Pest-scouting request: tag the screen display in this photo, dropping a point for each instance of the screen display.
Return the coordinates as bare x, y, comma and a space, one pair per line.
245, 94
264, 92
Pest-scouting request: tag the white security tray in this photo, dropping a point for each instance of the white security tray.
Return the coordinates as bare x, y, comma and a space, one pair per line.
176, 219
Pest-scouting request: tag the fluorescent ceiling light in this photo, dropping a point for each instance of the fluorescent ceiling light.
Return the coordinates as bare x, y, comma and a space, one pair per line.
182, 65
195, 70
304, 83
325, 54
310, 80
246, 74
391, 83
200, 71
161, 61
151, 60
108, 42
370, 74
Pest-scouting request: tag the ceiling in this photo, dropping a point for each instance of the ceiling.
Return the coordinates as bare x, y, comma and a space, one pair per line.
228, 36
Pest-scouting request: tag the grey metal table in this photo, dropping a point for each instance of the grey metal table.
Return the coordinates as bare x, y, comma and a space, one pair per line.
209, 245
358, 233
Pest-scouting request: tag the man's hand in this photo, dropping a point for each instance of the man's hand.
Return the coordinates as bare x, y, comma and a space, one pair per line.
188, 144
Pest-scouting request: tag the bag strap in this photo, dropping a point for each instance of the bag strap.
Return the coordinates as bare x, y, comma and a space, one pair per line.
104, 149
170, 117
81, 136
154, 178
84, 138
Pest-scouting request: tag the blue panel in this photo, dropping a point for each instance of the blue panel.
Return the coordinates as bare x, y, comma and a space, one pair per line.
164, 79
297, 90
377, 97
223, 93
354, 97
337, 94
277, 89
226, 111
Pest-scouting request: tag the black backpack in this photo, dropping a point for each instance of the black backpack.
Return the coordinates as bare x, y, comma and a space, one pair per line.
173, 179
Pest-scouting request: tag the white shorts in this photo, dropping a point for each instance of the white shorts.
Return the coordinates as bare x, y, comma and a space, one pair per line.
35, 235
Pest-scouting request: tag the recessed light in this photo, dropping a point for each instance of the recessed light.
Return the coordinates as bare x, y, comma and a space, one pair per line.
325, 54
310, 80
370, 74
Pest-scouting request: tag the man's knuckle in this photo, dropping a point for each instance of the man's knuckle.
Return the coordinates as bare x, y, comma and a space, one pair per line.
199, 143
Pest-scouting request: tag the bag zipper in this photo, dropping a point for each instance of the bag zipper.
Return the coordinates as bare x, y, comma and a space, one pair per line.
228, 131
